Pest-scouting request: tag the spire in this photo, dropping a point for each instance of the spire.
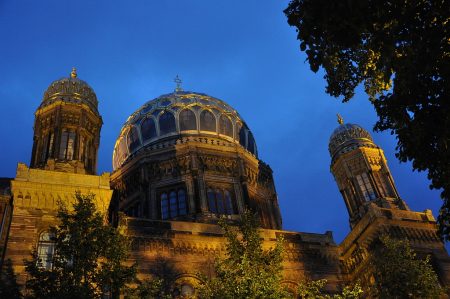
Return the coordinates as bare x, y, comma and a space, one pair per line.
178, 81
73, 74
340, 119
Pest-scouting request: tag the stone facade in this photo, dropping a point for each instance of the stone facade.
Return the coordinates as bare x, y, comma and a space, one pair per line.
36, 194
182, 161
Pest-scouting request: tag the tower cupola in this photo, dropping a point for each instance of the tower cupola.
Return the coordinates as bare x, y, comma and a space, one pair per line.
67, 127
361, 171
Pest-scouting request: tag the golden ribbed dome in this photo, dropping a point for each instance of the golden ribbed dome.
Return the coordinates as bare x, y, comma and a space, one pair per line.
348, 136
72, 90
180, 113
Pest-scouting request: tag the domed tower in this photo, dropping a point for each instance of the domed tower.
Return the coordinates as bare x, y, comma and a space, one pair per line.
361, 171
67, 128
188, 156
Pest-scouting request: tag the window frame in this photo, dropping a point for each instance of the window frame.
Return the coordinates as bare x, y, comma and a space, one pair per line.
219, 203
204, 123
365, 186
182, 122
45, 249
173, 203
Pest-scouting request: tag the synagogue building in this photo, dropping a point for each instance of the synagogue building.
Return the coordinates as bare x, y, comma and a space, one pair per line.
181, 162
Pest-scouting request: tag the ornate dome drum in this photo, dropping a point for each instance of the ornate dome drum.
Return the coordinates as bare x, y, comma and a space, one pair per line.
187, 156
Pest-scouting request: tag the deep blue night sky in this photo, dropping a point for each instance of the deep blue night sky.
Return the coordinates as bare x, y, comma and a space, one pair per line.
242, 52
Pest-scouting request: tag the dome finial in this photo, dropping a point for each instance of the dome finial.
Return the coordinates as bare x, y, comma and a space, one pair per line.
178, 81
73, 74
340, 119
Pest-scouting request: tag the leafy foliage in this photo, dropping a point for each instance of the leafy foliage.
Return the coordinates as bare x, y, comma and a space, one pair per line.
398, 273
149, 289
248, 271
314, 290
88, 258
400, 51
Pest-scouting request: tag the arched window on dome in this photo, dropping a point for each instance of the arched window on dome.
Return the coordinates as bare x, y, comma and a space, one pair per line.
173, 203
148, 129
207, 121
167, 123
242, 136
226, 127
187, 120
123, 151
133, 139
45, 250
251, 143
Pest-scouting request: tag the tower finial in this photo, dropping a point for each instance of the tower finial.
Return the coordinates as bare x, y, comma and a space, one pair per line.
340, 119
73, 74
178, 81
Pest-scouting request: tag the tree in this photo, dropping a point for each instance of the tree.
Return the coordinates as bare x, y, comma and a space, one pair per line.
149, 289
398, 273
88, 259
248, 271
400, 51
314, 290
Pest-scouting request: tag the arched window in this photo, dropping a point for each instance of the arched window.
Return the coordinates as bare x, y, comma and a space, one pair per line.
365, 186
242, 136
220, 201
207, 121
383, 184
148, 129
67, 145
251, 143
228, 203
187, 120
187, 290
164, 206
47, 147
122, 149
226, 127
173, 203
182, 207
212, 201
82, 149
133, 139
45, 250
89, 151
167, 123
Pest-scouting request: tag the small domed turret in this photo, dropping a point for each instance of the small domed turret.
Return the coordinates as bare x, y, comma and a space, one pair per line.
67, 127
361, 172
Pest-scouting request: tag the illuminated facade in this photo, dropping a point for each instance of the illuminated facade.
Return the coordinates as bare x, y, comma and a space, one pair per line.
180, 162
